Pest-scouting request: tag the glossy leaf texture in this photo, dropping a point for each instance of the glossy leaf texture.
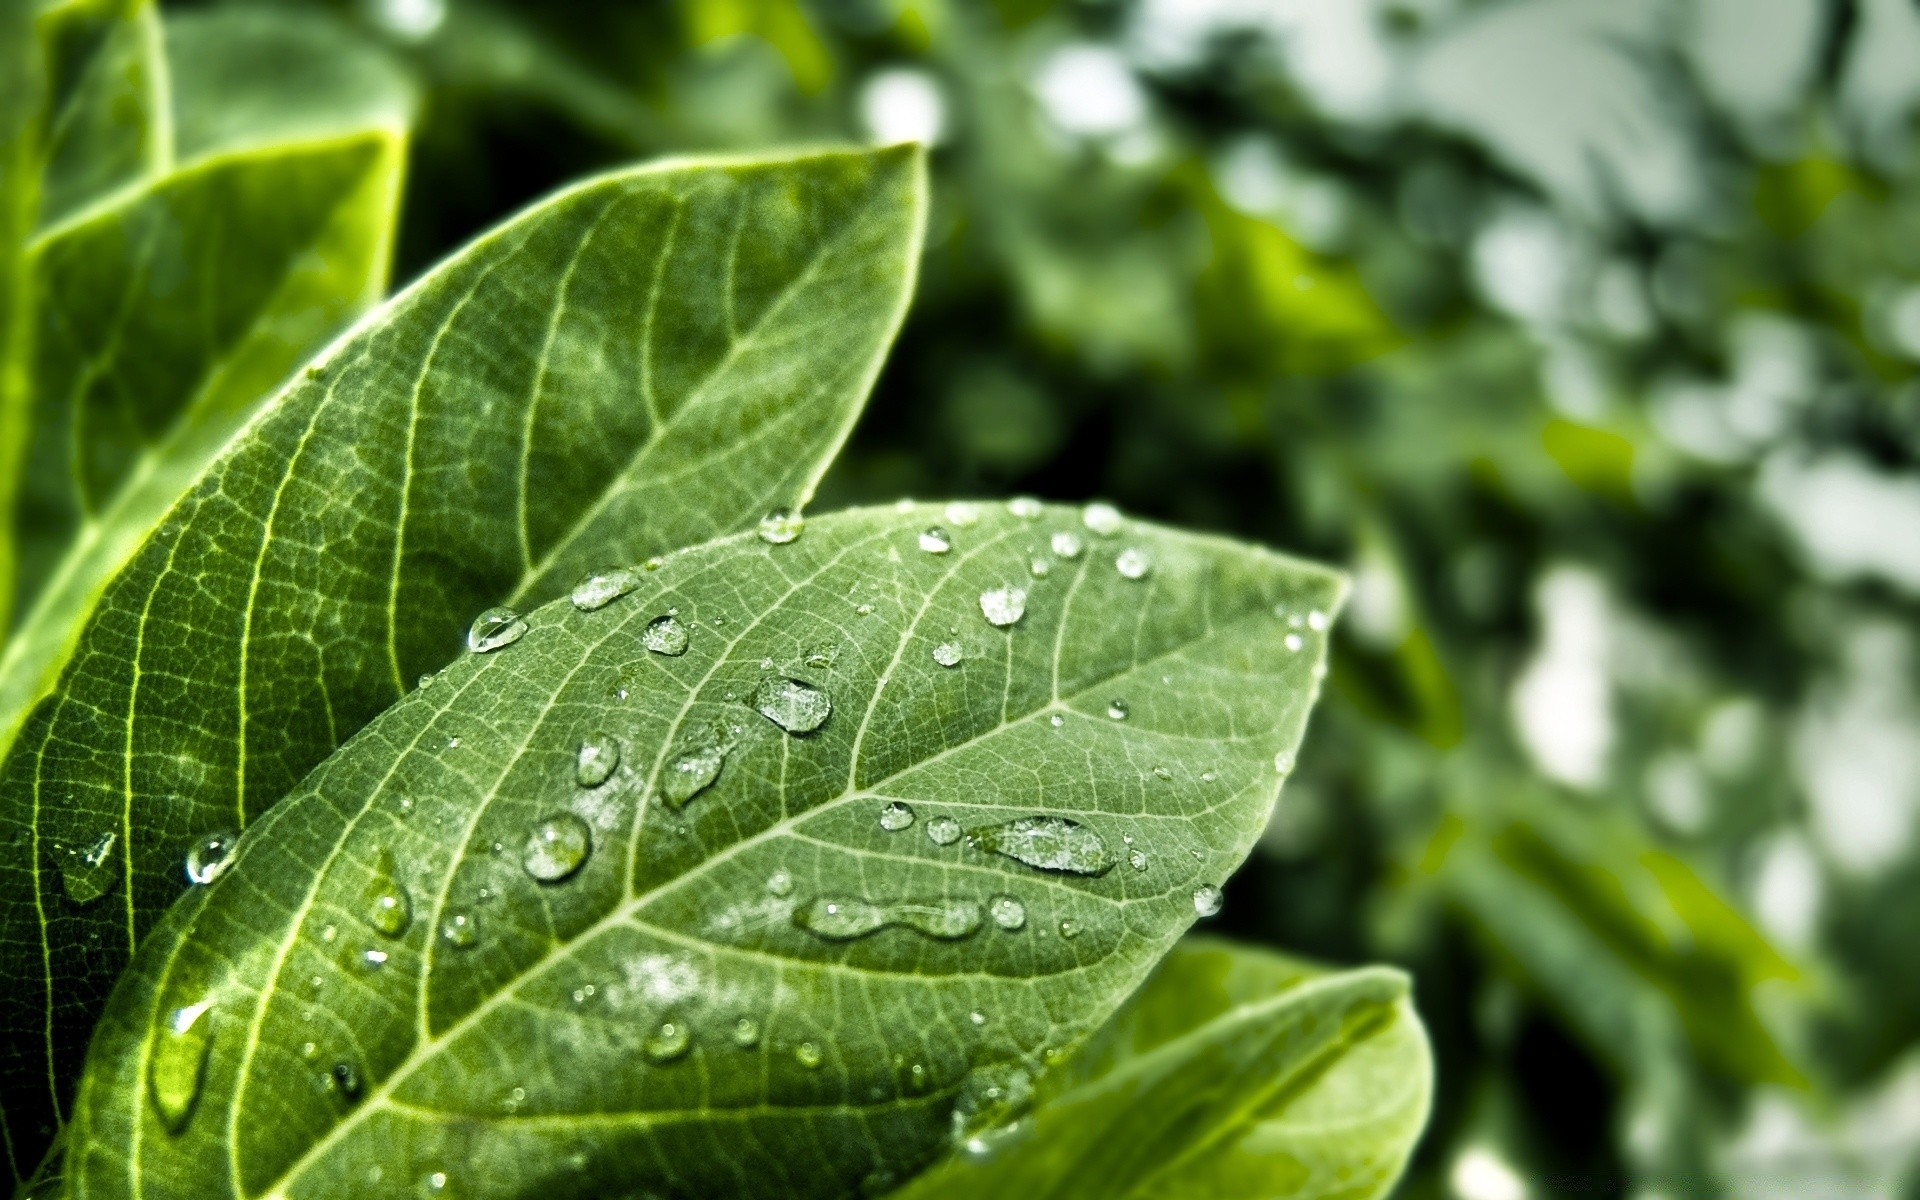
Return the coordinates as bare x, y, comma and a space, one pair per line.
637, 364
1233, 1072
745, 962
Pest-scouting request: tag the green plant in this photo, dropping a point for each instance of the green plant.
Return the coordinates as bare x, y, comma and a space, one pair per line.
783, 857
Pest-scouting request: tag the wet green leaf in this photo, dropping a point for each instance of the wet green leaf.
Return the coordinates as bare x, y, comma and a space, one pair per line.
760, 984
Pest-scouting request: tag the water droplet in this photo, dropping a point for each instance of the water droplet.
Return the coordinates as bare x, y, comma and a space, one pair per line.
1067, 544
864, 610
808, 1055
948, 654
781, 526
595, 763
992, 1097
839, 920
178, 1066
345, 1077
780, 883
1046, 844
746, 1033
1294, 642
1024, 507
373, 960
453, 743
935, 541
1003, 606
1317, 621
1007, 912
1056, 720
495, 628
895, 816
1206, 900
962, 514
792, 704
1137, 859
1162, 773
943, 831
1209, 776
668, 1042
208, 857
426, 681
1118, 710
436, 1181
1283, 762
329, 932
666, 635
603, 587
692, 771
389, 909
88, 872
556, 847
821, 657
977, 1017
1133, 563
459, 930
1101, 517
1069, 928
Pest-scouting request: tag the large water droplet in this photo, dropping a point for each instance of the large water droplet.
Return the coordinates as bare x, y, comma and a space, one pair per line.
792, 704
943, 831
178, 1066
935, 541
1002, 606
667, 1043
1047, 844
1007, 912
209, 856
89, 872
895, 816
495, 628
1067, 544
948, 654
1133, 563
781, 526
692, 771
839, 920
665, 635
1101, 517
1206, 900
603, 587
599, 755
746, 1033
389, 909
556, 847
459, 930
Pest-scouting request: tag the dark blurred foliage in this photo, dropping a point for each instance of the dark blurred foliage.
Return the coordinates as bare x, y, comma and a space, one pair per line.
1583, 331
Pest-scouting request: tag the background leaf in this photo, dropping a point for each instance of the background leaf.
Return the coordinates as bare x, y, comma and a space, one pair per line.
759, 986
106, 112
1232, 1072
641, 362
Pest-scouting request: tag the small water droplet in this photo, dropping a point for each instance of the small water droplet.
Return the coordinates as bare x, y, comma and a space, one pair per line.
794, 705
373, 960
992, 1098
1317, 621
1132, 563
1294, 642
895, 816
1137, 859
843, 919
1024, 507
1162, 773
89, 872
556, 847
453, 743
207, 858
1046, 844
666, 635
1118, 710
1056, 720
1039, 567
1002, 606
1067, 544
436, 1181
780, 883
1069, 928
346, 1078
977, 1017
962, 514
864, 610
781, 526
948, 654
746, 1033
1283, 762
603, 587
1209, 776
426, 681
693, 770
808, 1055
459, 930
1007, 912
1101, 517
595, 763
943, 831
935, 540
389, 909
1206, 900
495, 628
178, 1066
667, 1043
821, 657
329, 932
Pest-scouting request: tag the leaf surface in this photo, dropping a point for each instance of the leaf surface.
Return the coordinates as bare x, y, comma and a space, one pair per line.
106, 111
761, 986
639, 363
1233, 1072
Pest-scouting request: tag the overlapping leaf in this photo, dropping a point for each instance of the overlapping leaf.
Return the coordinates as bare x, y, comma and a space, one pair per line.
1233, 1072
641, 362
885, 825
105, 111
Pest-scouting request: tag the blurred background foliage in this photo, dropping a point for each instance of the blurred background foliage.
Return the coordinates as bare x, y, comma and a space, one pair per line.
1584, 332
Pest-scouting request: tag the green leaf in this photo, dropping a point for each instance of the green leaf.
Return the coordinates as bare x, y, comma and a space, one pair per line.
1233, 1072
760, 986
639, 363
106, 108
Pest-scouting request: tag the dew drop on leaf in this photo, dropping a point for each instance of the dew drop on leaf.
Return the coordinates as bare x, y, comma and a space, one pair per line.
1132, 563
1101, 517
372, 960
746, 1033
935, 541
948, 654
389, 909
1118, 710
603, 587
895, 816
808, 1055
1162, 773
1039, 567
1024, 507
943, 831
780, 883
1046, 844
692, 771
556, 847
1069, 928
977, 1017
1137, 859
843, 919
1294, 642
1056, 720
962, 514
792, 704
178, 1066
88, 872
668, 1042
1002, 606
665, 635
1317, 621
595, 763
345, 1077
1206, 900
495, 628
781, 526
1007, 912
1283, 762
209, 856
1067, 544
459, 930
991, 1097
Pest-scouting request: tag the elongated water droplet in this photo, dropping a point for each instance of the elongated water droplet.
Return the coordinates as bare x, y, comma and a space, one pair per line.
781, 526
896, 815
1067, 544
843, 919
1162, 773
372, 960
780, 883
1002, 606
89, 872
1046, 844
948, 654
459, 930
943, 831
808, 1055
666, 635
1118, 710
794, 705
935, 541
1007, 912
1132, 563
495, 628
667, 1043
178, 1067
389, 909
603, 587
1206, 900
556, 847
746, 1033
595, 763
692, 771
209, 856
1101, 517
1024, 507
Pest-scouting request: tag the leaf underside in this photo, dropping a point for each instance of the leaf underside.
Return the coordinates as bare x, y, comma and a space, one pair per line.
581, 1034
